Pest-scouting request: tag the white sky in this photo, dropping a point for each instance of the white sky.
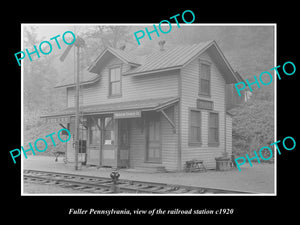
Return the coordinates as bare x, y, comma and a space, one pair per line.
48, 31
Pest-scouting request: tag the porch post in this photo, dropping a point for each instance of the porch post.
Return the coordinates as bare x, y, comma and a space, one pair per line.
116, 144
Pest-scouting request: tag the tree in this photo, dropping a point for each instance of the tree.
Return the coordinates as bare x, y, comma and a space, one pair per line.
99, 37
111, 36
39, 77
253, 126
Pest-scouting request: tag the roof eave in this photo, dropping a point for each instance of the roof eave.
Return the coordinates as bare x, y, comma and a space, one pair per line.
156, 106
227, 63
210, 44
94, 63
81, 84
198, 53
152, 71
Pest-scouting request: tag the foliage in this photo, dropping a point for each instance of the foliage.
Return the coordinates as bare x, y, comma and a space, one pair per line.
253, 126
111, 36
39, 78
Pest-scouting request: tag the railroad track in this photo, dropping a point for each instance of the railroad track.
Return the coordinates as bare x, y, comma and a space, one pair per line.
104, 185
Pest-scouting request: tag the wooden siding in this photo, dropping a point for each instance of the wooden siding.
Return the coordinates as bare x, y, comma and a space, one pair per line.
133, 88
159, 85
190, 88
169, 141
137, 144
168, 144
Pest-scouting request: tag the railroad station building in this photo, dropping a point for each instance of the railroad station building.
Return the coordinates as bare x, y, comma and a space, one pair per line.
155, 111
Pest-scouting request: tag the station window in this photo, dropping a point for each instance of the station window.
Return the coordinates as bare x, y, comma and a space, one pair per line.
115, 81
195, 128
204, 78
213, 132
94, 135
108, 131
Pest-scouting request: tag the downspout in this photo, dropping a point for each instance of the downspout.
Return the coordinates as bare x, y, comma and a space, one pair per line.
225, 128
179, 156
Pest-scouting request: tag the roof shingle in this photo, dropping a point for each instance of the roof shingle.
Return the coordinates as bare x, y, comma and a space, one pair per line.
156, 61
171, 58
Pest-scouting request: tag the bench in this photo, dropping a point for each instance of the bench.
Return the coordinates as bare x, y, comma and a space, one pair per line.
194, 166
57, 154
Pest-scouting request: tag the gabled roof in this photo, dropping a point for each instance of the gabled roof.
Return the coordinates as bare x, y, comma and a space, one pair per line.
239, 77
170, 59
124, 56
85, 76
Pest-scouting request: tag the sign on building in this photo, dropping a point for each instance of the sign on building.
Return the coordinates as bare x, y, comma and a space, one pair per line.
127, 114
203, 104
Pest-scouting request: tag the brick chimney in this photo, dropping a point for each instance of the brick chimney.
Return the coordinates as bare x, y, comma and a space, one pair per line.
122, 47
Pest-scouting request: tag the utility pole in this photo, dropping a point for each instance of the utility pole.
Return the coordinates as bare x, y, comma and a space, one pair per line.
78, 43
77, 113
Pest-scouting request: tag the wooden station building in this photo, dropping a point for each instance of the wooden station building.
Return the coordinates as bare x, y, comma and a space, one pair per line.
154, 111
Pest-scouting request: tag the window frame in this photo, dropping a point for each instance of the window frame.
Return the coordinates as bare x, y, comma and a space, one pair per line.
210, 142
192, 142
200, 91
110, 94
92, 124
110, 130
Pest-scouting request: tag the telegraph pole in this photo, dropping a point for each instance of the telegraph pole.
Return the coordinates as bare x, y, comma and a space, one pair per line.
79, 42
77, 112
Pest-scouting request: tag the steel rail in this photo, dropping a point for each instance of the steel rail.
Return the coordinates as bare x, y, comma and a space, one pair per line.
105, 185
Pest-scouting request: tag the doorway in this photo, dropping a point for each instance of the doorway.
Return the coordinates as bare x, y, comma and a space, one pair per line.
123, 143
94, 141
153, 138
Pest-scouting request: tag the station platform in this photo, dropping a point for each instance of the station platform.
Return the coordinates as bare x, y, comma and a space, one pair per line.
258, 179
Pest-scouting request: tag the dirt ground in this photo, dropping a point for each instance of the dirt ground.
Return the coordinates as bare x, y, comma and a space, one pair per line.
258, 179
